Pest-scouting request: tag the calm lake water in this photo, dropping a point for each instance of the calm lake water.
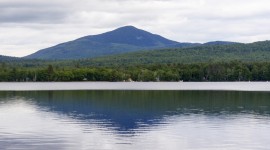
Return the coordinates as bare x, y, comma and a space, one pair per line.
221, 86
124, 120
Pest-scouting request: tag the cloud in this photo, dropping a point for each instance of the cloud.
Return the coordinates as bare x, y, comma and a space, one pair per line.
31, 11
29, 25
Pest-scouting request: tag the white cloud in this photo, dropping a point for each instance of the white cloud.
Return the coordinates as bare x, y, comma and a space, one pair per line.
29, 25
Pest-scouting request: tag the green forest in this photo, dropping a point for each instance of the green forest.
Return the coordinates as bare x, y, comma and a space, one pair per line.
210, 71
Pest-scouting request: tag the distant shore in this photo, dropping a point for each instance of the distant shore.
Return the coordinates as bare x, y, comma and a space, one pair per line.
212, 86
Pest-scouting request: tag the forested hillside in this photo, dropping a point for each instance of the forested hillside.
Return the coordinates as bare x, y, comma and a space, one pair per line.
254, 52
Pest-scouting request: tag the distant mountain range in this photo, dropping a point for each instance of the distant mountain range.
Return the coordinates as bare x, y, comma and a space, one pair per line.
122, 40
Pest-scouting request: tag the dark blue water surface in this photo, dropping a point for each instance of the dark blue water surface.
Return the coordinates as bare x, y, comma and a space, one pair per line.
202, 120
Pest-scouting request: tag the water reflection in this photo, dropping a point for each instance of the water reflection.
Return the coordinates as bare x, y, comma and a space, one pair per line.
134, 120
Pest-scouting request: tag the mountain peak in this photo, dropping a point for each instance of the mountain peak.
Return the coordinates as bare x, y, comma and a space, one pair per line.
129, 27
132, 36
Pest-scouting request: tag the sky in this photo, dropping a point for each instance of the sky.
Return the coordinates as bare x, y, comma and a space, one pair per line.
27, 26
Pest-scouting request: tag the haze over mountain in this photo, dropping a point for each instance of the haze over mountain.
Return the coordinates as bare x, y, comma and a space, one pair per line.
121, 40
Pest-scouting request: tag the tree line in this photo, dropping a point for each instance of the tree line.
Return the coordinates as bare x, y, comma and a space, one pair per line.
210, 71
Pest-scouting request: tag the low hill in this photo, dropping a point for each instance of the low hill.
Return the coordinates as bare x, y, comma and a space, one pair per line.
220, 43
7, 58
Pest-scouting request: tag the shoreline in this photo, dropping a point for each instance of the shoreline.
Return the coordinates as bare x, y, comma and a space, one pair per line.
173, 86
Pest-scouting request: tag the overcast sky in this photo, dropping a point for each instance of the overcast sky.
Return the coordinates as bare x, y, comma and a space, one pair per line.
30, 25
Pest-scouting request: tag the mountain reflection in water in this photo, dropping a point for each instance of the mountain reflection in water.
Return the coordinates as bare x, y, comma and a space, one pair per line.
131, 114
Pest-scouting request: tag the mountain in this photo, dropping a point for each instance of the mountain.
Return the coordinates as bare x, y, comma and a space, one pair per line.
121, 40
253, 52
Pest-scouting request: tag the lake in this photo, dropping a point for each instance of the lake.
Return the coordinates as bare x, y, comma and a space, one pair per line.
111, 119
